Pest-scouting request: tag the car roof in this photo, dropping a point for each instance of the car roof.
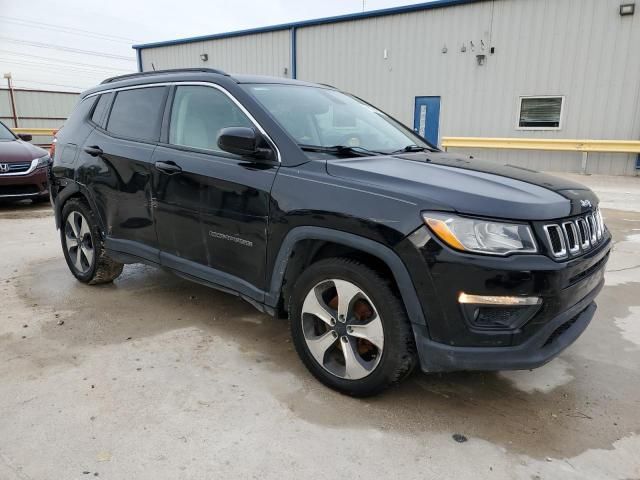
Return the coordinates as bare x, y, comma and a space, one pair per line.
190, 74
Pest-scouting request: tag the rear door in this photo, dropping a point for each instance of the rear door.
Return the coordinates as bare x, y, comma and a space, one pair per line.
212, 206
116, 167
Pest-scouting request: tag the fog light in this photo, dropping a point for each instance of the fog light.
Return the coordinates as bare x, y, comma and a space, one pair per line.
497, 300
497, 313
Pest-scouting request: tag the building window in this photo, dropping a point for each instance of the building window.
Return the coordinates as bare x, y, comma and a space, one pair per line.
540, 113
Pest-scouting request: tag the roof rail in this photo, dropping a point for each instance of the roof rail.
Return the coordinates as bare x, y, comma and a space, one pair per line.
160, 72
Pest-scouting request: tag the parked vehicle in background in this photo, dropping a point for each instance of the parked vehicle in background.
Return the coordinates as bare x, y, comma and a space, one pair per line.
23, 167
383, 251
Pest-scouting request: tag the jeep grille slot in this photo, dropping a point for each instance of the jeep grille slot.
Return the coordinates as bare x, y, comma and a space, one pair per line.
585, 235
593, 228
571, 232
556, 240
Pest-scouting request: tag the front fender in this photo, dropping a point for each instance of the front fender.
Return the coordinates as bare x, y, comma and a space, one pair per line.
387, 255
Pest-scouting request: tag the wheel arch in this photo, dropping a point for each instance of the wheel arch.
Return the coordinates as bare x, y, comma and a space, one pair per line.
320, 238
73, 190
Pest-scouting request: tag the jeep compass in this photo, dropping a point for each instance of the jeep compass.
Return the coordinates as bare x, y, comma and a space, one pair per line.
383, 252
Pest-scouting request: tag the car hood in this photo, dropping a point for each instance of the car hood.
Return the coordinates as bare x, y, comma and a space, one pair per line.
13, 151
437, 180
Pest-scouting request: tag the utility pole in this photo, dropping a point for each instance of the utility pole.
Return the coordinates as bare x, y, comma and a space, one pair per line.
12, 99
363, 4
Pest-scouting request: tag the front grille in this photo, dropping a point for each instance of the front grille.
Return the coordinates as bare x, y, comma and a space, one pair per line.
16, 168
575, 236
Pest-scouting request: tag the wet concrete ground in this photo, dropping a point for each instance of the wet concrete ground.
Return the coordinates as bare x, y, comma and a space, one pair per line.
155, 377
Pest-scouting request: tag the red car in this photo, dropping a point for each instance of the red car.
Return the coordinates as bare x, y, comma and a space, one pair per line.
23, 167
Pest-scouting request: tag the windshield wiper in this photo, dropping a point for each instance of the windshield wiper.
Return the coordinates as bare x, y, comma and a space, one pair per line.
341, 150
411, 148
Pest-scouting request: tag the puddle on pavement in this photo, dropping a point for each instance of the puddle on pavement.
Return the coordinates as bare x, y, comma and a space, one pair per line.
565, 408
543, 380
630, 325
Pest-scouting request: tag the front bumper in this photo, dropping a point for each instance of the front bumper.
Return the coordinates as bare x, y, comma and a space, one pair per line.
20, 187
548, 342
451, 341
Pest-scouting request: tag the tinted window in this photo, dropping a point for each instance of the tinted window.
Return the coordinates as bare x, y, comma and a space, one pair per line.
137, 113
99, 111
199, 113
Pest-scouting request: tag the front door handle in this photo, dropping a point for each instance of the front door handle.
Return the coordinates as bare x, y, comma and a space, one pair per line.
170, 168
93, 150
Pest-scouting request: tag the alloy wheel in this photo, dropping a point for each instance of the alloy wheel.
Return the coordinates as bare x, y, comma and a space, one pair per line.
78, 242
342, 329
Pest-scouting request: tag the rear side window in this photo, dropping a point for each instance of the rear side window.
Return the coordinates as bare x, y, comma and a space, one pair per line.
101, 108
80, 114
137, 113
199, 113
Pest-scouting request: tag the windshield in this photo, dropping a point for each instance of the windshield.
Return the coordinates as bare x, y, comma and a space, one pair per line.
5, 133
321, 119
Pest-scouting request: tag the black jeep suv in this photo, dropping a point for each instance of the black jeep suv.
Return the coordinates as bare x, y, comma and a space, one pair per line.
308, 202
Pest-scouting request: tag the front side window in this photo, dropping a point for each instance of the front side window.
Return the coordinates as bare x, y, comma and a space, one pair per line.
137, 113
5, 133
199, 113
325, 118
540, 112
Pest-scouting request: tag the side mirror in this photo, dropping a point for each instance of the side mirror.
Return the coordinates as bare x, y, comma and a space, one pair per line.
27, 137
245, 142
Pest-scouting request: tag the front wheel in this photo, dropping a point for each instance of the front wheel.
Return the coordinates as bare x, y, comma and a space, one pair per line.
349, 327
83, 247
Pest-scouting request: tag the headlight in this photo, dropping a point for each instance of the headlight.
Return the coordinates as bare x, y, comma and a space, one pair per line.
481, 236
43, 161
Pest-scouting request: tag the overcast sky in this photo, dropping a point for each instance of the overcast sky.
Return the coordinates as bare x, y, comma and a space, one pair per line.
74, 44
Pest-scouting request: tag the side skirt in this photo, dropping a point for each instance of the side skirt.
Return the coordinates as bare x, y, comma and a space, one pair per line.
126, 251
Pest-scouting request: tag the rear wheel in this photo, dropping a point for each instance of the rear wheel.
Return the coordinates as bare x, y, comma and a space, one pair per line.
83, 246
349, 328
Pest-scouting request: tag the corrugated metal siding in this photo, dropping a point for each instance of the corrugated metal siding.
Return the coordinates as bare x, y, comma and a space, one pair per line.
581, 49
263, 54
46, 109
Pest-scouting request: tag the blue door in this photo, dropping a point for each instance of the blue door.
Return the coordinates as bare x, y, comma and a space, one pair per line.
426, 118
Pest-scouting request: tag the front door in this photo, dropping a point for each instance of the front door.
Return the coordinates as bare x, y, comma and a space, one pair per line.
426, 118
212, 207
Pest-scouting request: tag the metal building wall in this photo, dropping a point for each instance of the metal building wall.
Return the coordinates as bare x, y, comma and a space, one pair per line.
582, 49
37, 108
262, 53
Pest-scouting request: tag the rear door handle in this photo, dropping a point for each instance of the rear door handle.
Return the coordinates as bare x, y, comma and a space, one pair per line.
170, 168
93, 150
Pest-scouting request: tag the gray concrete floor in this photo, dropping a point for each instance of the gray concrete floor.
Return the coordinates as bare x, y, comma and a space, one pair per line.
157, 378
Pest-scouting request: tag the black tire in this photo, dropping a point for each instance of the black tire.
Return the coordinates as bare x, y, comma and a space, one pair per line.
101, 269
398, 356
